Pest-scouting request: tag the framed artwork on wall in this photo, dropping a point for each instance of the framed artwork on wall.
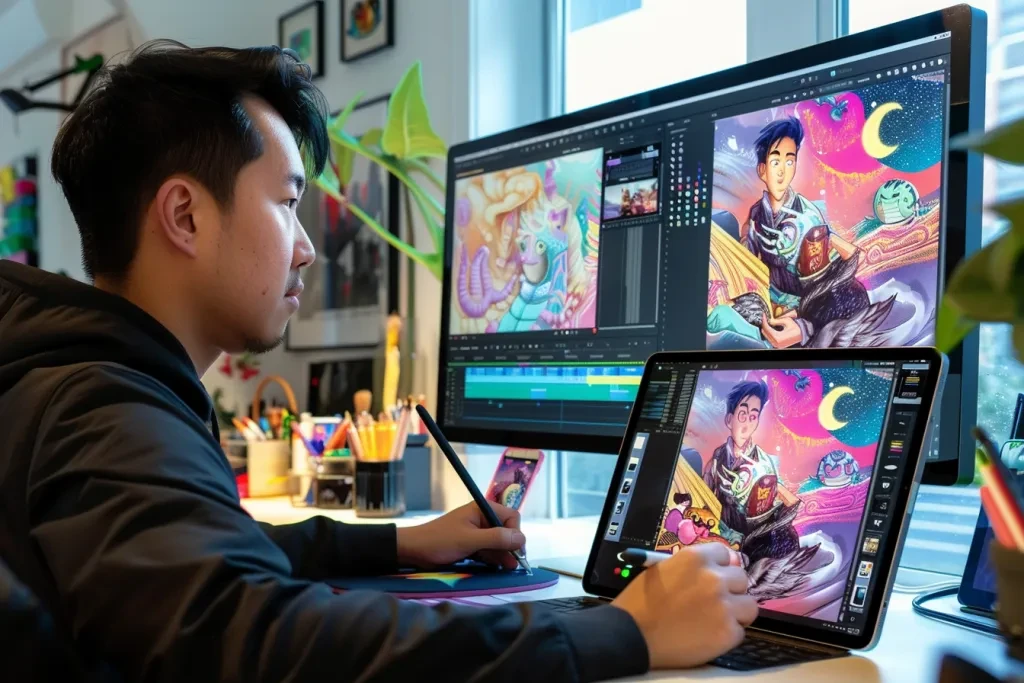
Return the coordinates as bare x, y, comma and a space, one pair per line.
352, 285
302, 30
19, 223
367, 26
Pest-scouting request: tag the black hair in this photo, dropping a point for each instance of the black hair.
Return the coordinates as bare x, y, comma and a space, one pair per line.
170, 109
746, 390
788, 127
679, 498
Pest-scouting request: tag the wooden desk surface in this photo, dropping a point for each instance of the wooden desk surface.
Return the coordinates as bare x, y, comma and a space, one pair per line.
908, 651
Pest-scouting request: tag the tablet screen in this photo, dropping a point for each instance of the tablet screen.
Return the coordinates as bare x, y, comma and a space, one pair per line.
796, 469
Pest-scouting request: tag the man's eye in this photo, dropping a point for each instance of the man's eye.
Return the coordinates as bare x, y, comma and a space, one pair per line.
292, 203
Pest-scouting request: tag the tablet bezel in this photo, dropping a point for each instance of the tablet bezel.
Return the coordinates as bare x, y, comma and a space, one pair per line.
888, 558
968, 595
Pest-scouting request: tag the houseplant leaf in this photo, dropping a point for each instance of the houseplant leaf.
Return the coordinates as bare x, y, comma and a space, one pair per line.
1005, 143
951, 327
1018, 340
371, 138
973, 292
408, 133
329, 178
337, 123
344, 155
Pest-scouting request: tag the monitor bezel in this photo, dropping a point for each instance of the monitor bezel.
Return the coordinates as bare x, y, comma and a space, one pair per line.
962, 233
886, 562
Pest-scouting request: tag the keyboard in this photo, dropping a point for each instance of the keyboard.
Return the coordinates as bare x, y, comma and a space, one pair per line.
574, 604
760, 653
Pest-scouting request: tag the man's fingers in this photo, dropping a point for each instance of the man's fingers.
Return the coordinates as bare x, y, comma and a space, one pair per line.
743, 608
714, 553
499, 539
507, 516
735, 579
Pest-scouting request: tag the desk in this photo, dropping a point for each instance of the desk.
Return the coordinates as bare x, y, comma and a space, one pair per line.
908, 651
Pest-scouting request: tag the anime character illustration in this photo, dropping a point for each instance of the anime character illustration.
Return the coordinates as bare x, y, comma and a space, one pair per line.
526, 247
629, 200
825, 220
780, 475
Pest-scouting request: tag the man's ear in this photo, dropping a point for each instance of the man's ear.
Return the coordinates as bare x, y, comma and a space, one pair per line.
174, 207
761, 172
728, 420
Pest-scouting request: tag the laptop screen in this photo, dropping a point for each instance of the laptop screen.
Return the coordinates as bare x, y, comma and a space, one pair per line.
796, 467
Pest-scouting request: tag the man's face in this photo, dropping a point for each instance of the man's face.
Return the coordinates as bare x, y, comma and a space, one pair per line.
744, 421
777, 173
251, 263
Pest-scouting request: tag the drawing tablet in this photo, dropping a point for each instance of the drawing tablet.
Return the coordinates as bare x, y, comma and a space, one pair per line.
457, 581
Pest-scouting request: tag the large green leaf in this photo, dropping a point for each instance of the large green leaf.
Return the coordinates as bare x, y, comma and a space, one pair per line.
1018, 340
329, 178
371, 138
344, 154
1005, 143
973, 292
337, 123
951, 327
408, 133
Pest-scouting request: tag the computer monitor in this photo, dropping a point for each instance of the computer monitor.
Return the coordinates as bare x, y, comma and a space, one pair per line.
809, 199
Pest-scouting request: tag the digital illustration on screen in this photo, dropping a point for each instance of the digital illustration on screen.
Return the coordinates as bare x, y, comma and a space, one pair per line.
776, 465
526, 245
825, 220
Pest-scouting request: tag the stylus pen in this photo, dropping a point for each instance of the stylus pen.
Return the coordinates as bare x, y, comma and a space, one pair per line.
643, 558
449, 452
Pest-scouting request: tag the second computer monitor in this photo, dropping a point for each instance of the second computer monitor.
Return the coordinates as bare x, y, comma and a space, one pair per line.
810, 200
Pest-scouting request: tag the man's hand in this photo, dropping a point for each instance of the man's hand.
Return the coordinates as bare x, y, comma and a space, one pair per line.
781, 332
690, 608
460, 534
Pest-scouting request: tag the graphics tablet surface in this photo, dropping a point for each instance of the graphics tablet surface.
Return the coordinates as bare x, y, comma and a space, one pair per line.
804, 463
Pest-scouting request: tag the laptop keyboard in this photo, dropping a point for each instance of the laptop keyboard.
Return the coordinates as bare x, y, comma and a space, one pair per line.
759, 653
574, 604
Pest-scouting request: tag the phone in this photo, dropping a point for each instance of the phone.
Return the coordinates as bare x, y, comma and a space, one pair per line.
517, 468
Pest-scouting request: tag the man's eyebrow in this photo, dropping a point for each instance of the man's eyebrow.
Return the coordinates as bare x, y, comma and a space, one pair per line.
297, 180
775, 151
791, 154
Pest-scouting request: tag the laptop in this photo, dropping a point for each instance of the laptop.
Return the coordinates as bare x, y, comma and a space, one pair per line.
804, 462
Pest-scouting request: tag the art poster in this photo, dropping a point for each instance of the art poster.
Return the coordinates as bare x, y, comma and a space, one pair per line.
352, 285
302, 30
367, 26
826, 219
19, 224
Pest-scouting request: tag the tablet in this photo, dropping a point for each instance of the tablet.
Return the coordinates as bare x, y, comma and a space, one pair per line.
803, 463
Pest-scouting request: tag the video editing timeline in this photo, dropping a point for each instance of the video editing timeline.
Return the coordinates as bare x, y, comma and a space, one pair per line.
548, 238
822, 515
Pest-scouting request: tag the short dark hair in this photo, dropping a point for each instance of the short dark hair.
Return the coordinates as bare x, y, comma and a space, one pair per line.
681, 497
788, 127
171, 109
746, 390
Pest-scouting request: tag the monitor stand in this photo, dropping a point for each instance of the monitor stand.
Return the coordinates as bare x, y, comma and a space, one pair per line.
573, 565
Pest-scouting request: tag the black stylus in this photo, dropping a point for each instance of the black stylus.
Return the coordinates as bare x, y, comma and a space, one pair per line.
449, 452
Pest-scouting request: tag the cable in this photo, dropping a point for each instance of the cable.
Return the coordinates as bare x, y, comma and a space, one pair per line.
954, 619
909, 588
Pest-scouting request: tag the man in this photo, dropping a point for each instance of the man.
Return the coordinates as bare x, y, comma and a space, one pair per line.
743, 476
183, 169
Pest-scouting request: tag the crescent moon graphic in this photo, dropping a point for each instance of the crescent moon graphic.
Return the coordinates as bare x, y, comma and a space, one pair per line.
873, 144
826, 411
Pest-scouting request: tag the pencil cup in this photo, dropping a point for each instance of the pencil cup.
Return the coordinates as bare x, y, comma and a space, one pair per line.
380, 489
267, 464
1009, 566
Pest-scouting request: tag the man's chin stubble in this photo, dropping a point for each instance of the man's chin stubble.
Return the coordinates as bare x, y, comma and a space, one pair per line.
259, 346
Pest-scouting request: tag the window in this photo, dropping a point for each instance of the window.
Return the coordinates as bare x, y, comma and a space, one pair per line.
616, 48
943, 521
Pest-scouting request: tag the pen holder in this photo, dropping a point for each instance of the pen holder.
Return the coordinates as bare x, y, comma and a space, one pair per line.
267, 464
380, 489
1009, 568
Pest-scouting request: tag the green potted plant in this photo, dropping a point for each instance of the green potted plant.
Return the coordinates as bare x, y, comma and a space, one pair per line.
988, 285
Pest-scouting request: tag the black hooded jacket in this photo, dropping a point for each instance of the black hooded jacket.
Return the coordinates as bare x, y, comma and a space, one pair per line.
120, 513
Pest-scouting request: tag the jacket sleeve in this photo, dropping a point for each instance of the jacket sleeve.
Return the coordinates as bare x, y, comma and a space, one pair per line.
157, 567
319, 548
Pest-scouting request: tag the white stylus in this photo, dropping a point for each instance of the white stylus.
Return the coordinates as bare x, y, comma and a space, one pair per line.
643, 558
